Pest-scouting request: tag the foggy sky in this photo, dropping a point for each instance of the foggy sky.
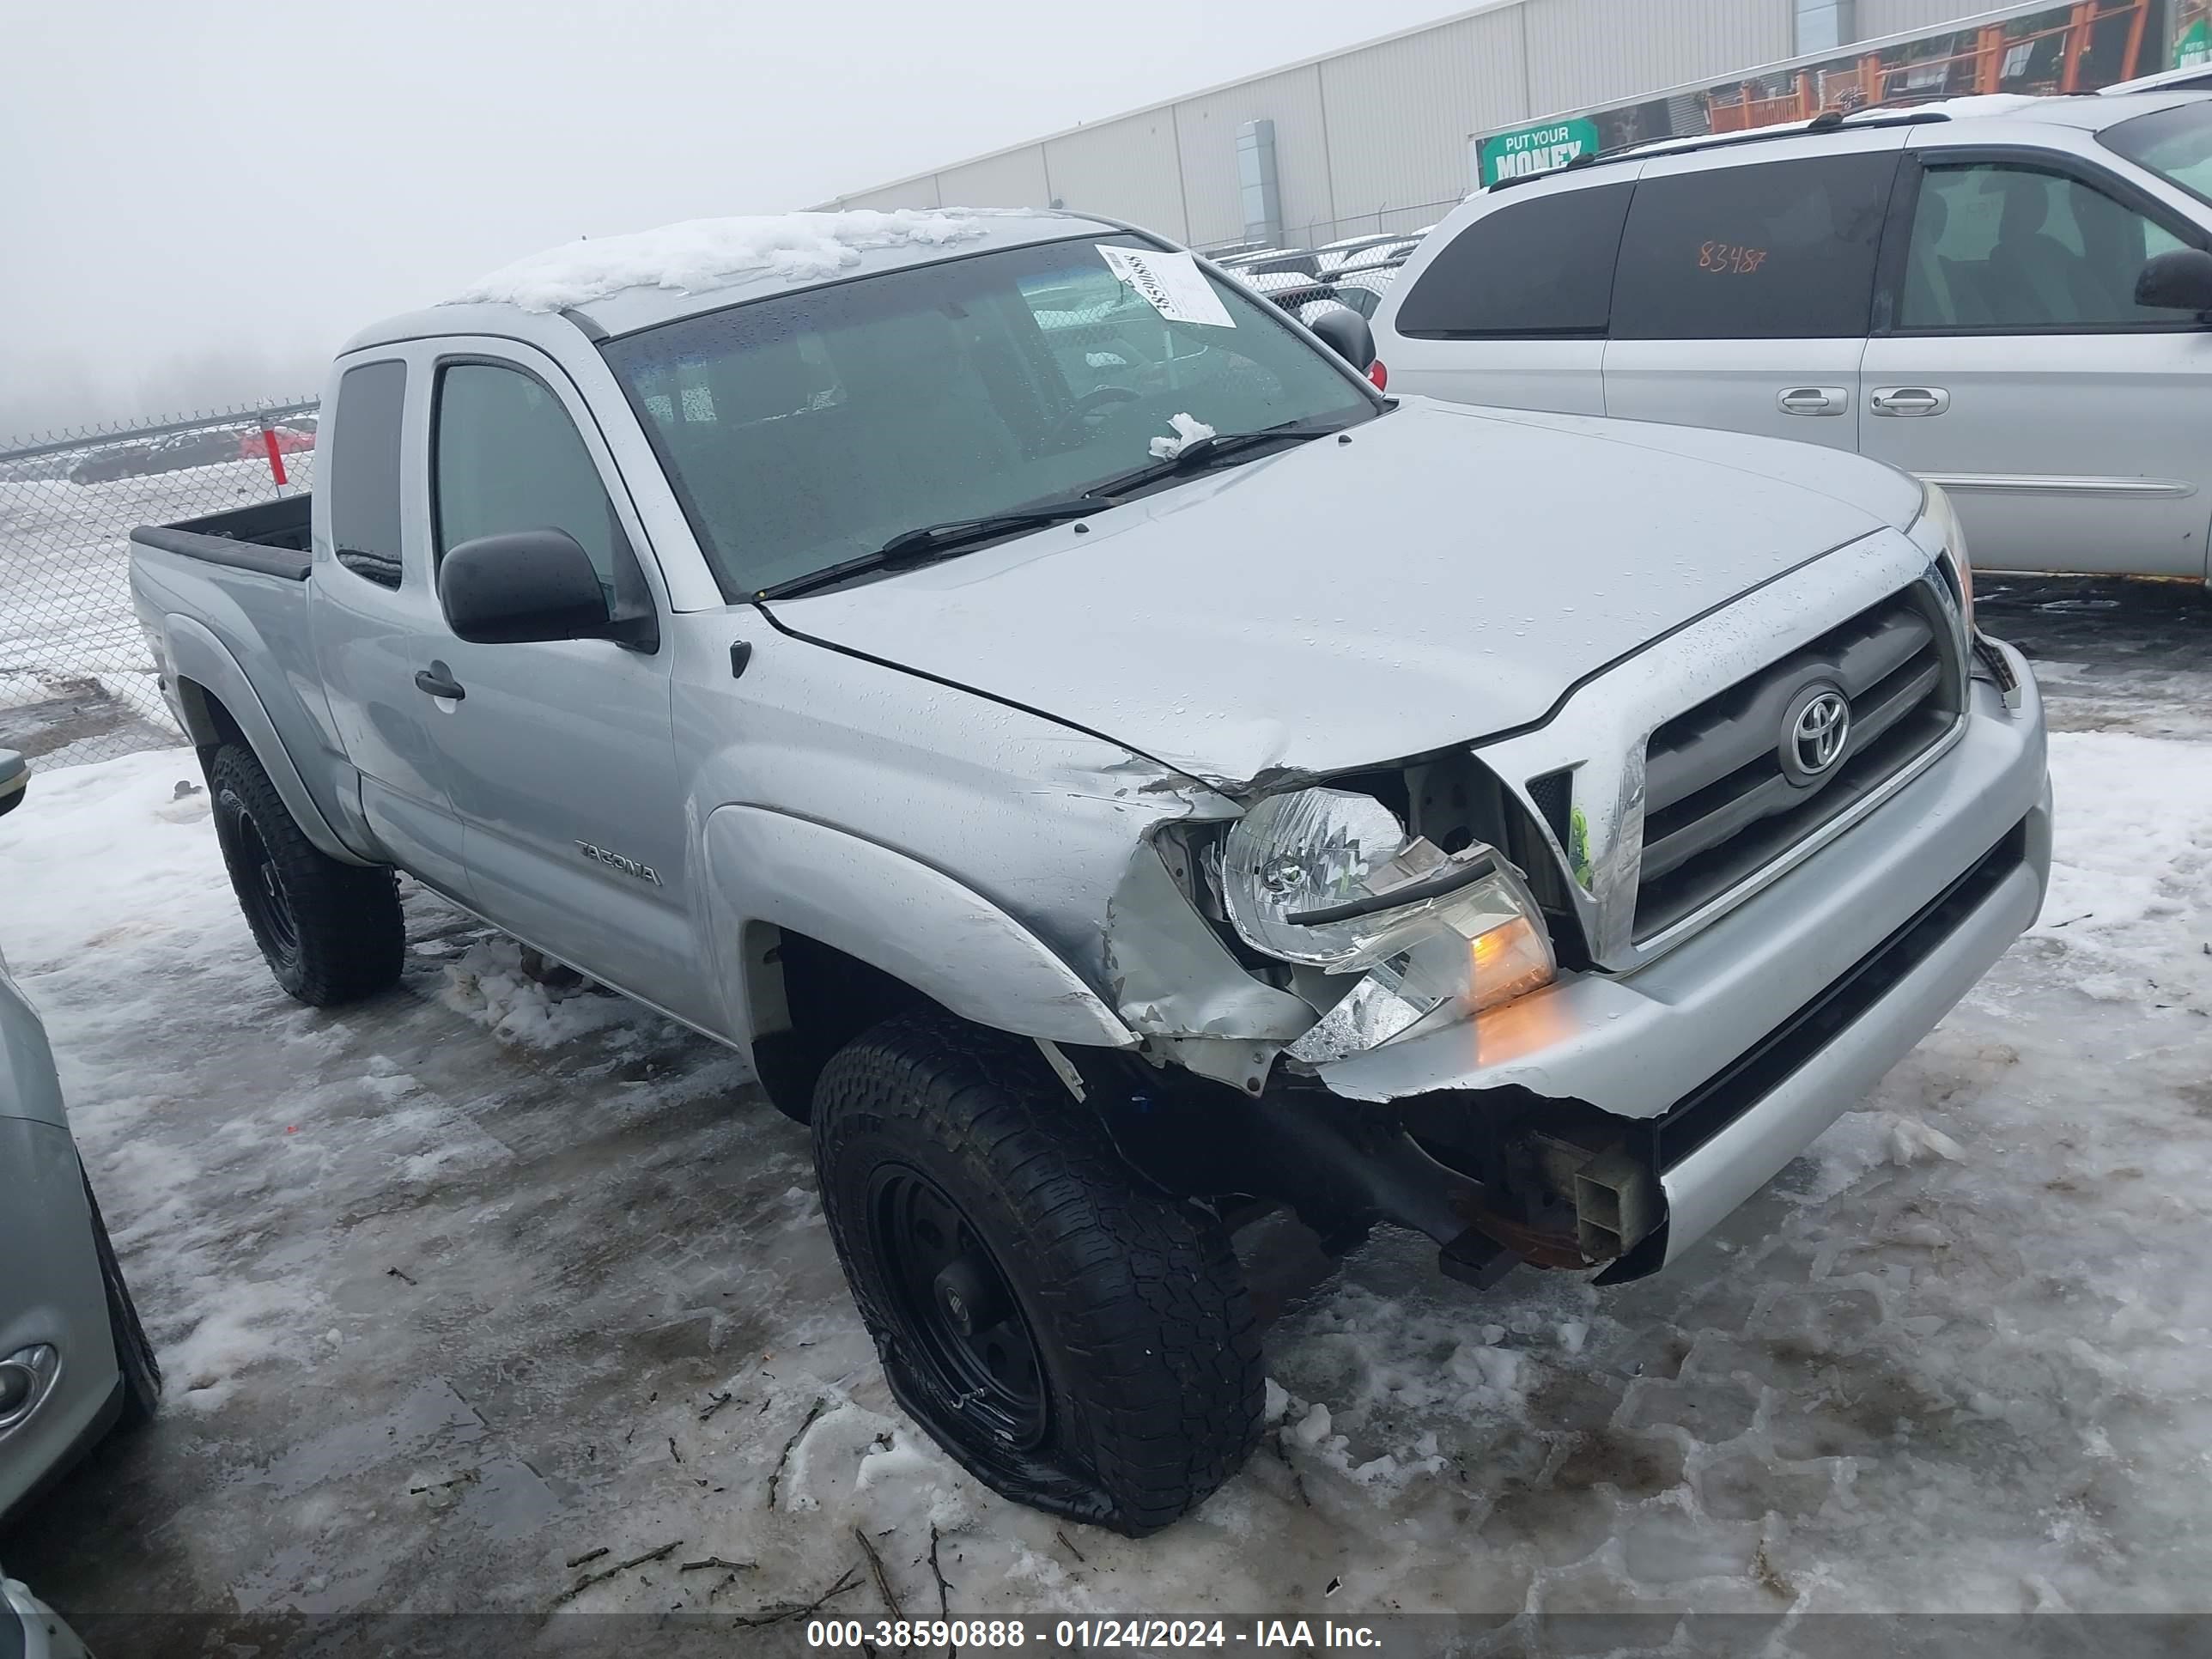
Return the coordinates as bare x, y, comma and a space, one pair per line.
202, 198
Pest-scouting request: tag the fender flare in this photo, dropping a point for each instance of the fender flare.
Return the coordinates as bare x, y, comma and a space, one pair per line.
198, 660
894, 912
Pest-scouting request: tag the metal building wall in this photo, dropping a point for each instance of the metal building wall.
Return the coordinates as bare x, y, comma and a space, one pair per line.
1126, 169
1015, 179
914, 193
1399, 114
1206, 130
1385, 125
1589, 51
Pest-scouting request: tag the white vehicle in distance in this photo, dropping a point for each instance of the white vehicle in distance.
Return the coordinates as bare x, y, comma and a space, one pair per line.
2190, 77
1363, 290
2009, 297
1385, 255
1332, 257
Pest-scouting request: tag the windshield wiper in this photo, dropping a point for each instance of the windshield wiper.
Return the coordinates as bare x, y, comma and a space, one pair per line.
1201, 452
925, 542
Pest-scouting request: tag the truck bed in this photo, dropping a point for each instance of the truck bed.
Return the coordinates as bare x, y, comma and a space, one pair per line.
270, 538
227, 608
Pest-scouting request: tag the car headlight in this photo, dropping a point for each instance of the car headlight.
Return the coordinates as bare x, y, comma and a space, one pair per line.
1935, 506
1331, 879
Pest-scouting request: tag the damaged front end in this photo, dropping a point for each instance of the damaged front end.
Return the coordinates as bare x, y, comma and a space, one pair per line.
1251, 949
1323, 921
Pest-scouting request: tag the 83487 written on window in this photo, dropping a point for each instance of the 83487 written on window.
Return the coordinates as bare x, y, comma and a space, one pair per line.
1782, 251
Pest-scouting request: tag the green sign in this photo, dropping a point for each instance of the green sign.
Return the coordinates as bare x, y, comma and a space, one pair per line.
2193, 45
1536, 150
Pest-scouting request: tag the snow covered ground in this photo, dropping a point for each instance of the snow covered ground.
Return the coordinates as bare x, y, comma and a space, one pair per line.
461, 1286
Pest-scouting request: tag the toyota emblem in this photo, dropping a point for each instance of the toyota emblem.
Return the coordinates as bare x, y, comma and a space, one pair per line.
1815, 732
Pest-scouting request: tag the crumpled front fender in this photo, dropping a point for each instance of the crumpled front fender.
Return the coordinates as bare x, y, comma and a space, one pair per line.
884, 908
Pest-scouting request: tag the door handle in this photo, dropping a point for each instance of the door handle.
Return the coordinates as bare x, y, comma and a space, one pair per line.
1911, 400
438, 680
1813, 400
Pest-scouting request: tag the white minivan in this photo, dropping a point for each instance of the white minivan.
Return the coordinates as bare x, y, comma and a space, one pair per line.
2011, 297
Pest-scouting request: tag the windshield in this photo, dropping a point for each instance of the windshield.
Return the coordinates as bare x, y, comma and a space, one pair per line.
807, 429
2174, 143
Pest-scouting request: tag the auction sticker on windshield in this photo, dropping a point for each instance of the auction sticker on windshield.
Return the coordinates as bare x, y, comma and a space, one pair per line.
1171, 283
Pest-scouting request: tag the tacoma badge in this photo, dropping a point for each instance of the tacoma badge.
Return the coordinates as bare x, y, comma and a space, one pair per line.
617, 862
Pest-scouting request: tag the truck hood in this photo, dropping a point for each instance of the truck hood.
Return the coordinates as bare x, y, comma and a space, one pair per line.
1448, 574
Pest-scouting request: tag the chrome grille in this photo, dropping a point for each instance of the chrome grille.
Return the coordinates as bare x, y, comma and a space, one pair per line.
1723, 795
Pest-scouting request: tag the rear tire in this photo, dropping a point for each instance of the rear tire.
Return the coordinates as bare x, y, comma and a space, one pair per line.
331, 932
134, 1354
1084, 1344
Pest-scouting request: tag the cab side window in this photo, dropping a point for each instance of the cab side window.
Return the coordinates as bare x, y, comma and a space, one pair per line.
1536, 268
507, 457
364, 471
1783, 251
2010, 248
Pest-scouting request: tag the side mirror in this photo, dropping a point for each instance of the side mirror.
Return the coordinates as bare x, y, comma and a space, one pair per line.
2181, 280
523, 585
1345, 332
15, 775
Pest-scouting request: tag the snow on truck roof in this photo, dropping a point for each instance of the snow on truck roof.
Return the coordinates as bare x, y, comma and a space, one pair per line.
700, 254
620, 283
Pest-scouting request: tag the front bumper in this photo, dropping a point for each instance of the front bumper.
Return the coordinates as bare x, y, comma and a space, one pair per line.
1770, 1022
51, 1294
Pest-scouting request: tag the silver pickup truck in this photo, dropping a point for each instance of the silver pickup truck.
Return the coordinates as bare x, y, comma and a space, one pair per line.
1114, 772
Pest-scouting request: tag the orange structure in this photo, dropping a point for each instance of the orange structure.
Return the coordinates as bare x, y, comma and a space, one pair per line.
1874, 79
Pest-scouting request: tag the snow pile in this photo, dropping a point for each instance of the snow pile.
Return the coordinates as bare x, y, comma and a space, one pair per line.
2133, 855
488, 983
1187, 431
698, 254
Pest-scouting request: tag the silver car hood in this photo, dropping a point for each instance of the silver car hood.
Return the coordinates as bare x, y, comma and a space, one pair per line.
1448, 574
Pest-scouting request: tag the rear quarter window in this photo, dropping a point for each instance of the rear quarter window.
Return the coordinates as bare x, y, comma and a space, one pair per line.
362, 474
1784, 250
1543, 266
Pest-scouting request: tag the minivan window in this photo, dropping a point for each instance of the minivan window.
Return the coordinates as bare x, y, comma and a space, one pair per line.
364, 471
506, 456
807, 429
2003, 247
1784, 250
2174, 143
1543, 266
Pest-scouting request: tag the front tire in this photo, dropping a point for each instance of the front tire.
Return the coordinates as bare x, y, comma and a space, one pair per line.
134, 1354
1078, 1341
331, 933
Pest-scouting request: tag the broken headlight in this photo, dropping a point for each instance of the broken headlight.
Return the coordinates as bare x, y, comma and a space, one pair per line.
1331, 879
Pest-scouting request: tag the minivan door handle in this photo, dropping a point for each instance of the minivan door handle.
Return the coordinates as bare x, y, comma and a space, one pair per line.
438, 680
1813, 400
1911, 400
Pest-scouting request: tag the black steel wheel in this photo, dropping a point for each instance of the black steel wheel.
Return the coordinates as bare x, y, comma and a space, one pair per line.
260, 889
1076, 1340
954, 1310
331, 933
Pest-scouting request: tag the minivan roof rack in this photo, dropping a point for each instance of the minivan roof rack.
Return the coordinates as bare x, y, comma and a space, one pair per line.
1828, 121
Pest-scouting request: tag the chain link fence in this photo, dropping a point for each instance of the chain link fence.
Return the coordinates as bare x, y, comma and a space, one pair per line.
77, 683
